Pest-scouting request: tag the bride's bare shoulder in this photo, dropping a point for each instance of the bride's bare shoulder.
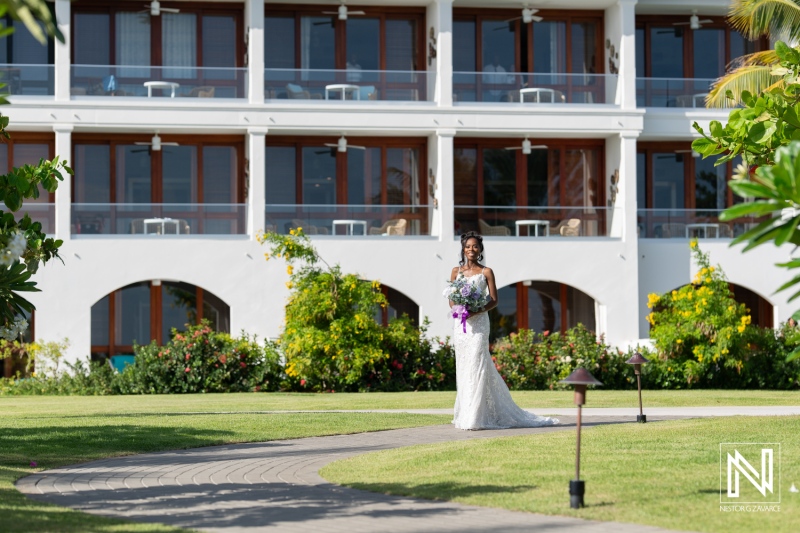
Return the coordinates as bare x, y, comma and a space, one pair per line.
454, 273
488, 272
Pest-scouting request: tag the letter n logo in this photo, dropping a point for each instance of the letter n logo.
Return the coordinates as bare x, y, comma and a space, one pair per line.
760, 476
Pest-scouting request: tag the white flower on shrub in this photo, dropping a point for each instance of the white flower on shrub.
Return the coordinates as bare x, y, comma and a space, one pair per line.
15, 329
17, 245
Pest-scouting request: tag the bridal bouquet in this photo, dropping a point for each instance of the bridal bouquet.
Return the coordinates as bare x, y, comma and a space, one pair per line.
467, 297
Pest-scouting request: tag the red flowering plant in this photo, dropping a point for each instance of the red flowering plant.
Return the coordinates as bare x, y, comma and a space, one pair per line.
538, 361
202, 360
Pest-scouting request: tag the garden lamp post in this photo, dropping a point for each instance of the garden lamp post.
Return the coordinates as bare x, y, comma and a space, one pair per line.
637, 361
580, 378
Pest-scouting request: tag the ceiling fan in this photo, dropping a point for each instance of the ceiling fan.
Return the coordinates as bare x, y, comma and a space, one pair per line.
155, 9
527, 147
342, 145
155, 143
343, 12
528, 15
694, 21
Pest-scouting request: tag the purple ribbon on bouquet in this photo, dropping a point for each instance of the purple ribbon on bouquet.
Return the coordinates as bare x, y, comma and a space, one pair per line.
462, 312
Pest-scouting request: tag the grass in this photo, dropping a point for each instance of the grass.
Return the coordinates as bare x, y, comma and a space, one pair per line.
222, 403
57, 431
664, 474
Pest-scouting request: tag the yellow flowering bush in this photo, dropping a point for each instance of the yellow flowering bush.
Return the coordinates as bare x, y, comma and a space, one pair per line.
700, 326
332, 340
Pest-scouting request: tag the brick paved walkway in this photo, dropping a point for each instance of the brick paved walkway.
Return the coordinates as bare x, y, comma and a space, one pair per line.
275, 486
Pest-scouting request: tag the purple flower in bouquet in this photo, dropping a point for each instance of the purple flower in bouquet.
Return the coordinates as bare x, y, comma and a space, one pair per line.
466, 297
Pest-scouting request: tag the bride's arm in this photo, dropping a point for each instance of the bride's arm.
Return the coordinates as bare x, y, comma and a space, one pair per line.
492, 291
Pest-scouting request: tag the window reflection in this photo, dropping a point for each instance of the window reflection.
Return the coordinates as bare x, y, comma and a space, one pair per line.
319, 175
133, 174
668, 190
364, 168
499, 177
132, 314
710, 184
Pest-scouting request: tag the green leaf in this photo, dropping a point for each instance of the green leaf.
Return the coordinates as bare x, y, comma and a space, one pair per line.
749, 189
786, 53
715, 127
761, 132
794, 355
750, 208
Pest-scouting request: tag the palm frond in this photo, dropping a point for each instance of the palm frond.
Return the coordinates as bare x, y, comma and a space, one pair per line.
775, 18
753, 78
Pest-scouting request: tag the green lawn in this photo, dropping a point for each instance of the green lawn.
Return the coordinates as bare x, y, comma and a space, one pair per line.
223, 403
664, 474
57, 431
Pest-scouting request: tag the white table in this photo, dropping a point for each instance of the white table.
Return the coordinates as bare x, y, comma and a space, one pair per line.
537, 92
535, 224
349, 226
161, 225
171, 85
344, 88
702, 231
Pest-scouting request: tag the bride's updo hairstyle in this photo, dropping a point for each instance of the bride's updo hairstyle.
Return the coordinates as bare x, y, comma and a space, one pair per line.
464, 238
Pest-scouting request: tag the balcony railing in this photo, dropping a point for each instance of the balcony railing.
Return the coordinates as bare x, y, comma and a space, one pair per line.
125, 80
43, 213
535, 221
689, 224
534, 88
356, 220
159, 219
672, 92
341, 85
27, 79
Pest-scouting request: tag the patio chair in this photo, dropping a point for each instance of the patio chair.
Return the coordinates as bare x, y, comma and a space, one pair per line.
488, 230
391, 227
368, 92
204, 91
294, 91
569, 228
310, 229
673, 230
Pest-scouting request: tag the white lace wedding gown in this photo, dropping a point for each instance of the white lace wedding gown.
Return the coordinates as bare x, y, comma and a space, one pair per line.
482, 399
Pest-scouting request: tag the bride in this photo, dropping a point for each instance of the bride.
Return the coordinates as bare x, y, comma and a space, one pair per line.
482, 398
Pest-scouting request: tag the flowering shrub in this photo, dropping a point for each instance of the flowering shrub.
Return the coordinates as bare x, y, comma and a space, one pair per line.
700, 326
332, 342
201, 360
536, 361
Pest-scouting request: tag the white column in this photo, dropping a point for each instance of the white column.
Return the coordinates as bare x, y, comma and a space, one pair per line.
440, 18
624, 39
256, 168
254, 20
445, 184
62, 51
64, 192
624, 321
626, 195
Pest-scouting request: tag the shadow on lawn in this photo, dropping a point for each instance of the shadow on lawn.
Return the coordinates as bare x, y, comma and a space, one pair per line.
53, 446
439, 491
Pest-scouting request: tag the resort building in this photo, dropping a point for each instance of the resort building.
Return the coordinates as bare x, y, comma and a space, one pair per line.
561, 130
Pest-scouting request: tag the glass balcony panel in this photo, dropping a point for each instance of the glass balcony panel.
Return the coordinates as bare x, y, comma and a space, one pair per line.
144, 81
349, 84
44, 213
23, 79
534, 88
530, 221
159, 219
672, 92
349, 220
690, 224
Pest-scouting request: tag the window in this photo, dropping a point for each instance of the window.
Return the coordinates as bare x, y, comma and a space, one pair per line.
558, 180
25, 63
499, 46
147, 311
399, 305
121, 183
306, 49
541, 306
374, 180
674, 189
683, 61
199, 48
28, 149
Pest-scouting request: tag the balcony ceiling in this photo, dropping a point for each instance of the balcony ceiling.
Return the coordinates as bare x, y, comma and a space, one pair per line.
682, 7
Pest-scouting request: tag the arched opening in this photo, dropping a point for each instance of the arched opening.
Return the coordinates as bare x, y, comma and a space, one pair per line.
142, 312
541, 306
399, 305
760, 308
